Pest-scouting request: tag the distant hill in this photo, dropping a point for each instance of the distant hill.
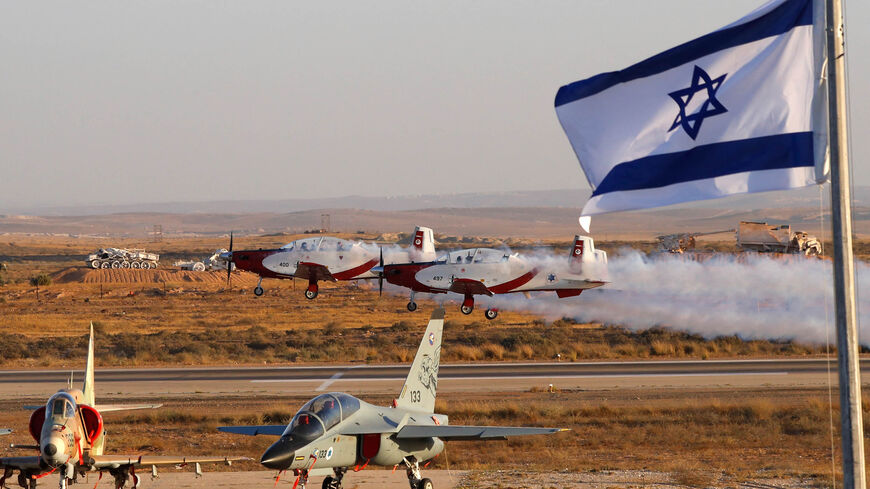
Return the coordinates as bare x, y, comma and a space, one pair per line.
808, 197
544, 214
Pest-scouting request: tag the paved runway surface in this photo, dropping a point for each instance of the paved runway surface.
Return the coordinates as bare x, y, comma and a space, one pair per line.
452, 377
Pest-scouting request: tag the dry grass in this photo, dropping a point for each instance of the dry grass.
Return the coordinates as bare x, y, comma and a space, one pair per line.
699, 437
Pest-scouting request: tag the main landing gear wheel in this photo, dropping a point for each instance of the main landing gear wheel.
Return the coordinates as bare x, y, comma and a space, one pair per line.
258, 291
490, 314
330, 483
466, 309
425, 484
412, 306
311, 292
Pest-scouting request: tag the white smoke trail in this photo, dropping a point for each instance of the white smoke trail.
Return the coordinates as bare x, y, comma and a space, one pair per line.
753, 296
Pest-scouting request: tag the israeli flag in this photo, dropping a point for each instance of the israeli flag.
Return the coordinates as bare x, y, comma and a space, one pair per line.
739, 110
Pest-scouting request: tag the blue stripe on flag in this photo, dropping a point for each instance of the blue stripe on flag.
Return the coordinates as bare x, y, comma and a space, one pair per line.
780, 20
711, 160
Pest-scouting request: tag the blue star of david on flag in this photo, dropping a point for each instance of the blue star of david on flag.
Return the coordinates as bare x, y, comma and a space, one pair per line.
701, 81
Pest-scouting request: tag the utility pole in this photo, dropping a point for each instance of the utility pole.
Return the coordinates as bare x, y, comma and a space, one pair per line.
844, 267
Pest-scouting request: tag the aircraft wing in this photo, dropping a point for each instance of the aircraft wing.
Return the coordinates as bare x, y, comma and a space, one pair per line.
458, 432
268, 429
105, 408
113, 461
313, 271
20, 463
5, 431
467, 286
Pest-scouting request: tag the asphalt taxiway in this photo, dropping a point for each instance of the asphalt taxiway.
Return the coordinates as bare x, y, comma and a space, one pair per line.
478, 377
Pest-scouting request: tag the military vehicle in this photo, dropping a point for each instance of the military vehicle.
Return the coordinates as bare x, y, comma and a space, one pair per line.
765, 238
122, 258
71, 441
336, 431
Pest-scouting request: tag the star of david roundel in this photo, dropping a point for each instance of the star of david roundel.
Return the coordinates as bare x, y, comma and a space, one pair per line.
701, 82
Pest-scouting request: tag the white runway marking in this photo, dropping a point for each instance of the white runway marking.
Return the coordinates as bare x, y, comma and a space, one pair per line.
326, 383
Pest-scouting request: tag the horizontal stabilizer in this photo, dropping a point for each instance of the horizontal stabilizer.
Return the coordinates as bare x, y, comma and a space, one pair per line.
268, 429
107, 408
447, 432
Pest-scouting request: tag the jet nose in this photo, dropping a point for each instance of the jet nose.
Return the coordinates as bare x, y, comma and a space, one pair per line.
53, 451
278, 456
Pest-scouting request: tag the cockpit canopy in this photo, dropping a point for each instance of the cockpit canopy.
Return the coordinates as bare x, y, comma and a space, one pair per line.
474, 255
61, 405
325, 243
320, 414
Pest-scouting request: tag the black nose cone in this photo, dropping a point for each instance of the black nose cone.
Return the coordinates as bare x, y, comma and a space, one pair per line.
50, 449
279, 456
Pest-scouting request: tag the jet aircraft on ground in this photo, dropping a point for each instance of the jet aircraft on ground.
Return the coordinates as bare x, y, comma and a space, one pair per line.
487, 271
71, 441
334, 432
327, 258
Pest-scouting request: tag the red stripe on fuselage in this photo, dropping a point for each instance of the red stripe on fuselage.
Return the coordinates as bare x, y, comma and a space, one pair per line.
513, 284
405, 275
353, 272
252, 261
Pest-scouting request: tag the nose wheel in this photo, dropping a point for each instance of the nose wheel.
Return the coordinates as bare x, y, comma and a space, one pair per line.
412, 306
311, 291
491, 314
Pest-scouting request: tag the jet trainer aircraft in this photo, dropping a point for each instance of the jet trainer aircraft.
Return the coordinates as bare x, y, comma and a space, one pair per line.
71, 441
327, 258
487, 271
334, 432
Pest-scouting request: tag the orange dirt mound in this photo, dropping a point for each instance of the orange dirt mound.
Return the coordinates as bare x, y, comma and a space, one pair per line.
132, 276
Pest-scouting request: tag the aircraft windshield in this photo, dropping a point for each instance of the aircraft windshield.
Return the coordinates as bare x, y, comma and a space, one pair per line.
322, 413
62, 405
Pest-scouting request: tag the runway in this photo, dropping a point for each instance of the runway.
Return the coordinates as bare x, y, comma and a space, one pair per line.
452, 377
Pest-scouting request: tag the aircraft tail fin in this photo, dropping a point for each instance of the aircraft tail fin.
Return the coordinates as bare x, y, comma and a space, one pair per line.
423, 246
88, 387
418, 393
583, 248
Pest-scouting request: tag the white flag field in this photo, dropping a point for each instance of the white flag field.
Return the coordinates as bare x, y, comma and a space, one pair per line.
739, 110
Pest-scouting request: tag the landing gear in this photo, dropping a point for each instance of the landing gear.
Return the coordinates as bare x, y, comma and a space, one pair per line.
301, 478
122, 475
490, 314
258, 290
331, 482
467, 305
311, 291
415, 479
26, 480
412, 306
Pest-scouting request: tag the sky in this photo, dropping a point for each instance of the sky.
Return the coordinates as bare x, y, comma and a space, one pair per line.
166, 101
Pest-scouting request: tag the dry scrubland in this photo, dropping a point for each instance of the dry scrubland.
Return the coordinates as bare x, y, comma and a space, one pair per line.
698, 438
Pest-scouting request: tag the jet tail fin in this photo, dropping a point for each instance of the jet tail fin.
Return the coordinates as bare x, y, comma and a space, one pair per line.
418, 393
88, 387
423, 246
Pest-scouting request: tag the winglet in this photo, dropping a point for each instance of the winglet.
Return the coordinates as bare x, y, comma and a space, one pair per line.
88, 387
418, 393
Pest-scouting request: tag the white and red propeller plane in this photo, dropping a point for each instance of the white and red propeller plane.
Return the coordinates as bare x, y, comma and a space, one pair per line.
328, 258
487, 271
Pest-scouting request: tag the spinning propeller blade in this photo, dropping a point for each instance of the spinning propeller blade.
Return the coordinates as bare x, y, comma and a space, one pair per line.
381, 275
230, 261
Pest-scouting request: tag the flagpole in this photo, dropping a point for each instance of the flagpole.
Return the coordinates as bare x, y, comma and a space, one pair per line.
852, 426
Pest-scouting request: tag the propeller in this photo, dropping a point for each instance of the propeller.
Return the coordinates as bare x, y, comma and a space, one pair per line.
381, 274
230, 260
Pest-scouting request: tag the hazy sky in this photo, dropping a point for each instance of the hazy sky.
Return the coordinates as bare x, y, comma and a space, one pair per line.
124, 102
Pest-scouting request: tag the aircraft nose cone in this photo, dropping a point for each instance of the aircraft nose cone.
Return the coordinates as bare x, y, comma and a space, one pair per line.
53, 451
278, 456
